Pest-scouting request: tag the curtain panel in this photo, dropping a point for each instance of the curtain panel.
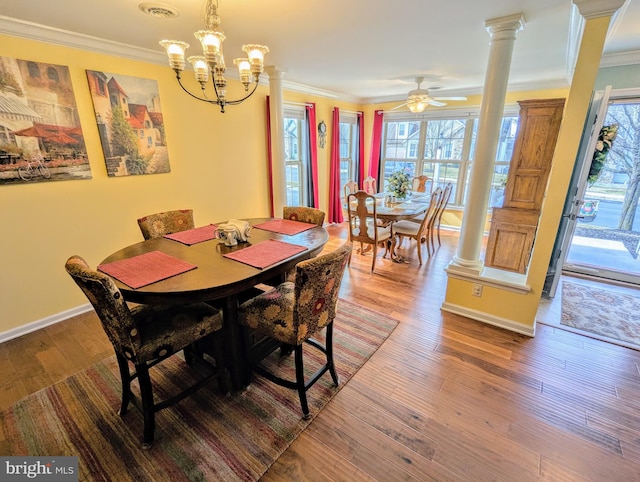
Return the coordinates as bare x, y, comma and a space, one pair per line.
335, 208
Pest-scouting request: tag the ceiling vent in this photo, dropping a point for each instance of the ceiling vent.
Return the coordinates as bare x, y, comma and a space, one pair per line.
161, 10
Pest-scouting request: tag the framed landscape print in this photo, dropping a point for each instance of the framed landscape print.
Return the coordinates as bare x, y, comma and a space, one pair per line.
130, 123
40, 135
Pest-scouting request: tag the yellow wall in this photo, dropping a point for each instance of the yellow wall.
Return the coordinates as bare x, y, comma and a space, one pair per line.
218, 168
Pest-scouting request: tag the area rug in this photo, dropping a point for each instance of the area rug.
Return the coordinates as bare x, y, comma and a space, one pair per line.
609, 314
205, 437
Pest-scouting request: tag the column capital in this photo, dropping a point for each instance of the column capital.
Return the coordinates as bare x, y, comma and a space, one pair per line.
510, 23
274, 71
598, 8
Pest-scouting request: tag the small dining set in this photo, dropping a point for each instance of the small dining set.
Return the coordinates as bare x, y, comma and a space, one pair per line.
224, 295
377, 219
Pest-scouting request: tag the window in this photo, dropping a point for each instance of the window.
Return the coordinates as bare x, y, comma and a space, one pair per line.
296, 141
6, 136
34, 70
348, 150
52, 74
441, 146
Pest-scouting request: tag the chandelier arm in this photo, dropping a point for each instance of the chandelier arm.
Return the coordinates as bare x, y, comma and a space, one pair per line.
237, 101
203, 99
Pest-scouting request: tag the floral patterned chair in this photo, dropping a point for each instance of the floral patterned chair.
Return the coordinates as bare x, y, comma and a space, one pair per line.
148, 334
303, 214
169, 222
292, 313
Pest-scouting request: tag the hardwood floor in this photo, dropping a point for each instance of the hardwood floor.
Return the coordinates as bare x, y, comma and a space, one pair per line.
444, 398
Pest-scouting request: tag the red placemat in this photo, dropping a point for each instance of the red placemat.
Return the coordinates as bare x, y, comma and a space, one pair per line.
265, 253
284, 226
145, 269
195, 235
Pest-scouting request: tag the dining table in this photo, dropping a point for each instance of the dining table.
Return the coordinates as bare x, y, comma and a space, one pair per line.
389, 212
208, 270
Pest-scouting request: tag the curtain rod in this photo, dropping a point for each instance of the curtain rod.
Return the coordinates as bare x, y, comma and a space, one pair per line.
305, 104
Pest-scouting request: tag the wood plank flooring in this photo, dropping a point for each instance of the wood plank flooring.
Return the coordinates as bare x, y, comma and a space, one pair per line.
444, 398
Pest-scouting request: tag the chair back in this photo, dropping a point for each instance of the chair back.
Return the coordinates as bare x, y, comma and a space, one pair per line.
304, 214
419, 184
431, 215
105, 297
370, 185
169, 222
444, 201
349, 188
317, 285
363, 218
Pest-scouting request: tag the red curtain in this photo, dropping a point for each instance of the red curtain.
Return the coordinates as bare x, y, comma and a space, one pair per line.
269, 158
313, 155
360, 179
335, 208
376, 138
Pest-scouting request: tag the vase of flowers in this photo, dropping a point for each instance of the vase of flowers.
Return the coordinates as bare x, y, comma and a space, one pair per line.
399, 184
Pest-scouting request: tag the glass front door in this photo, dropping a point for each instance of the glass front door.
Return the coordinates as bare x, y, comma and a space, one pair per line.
606, 238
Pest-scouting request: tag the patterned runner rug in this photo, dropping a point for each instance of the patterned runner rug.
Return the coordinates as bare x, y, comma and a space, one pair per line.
614, 316
204, 437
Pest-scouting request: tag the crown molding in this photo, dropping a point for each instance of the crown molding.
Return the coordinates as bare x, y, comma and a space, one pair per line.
617, 59
43, 33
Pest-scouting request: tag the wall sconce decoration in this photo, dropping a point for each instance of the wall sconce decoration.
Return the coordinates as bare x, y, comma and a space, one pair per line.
322, 134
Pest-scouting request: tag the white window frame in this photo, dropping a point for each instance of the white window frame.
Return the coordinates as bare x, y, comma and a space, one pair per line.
348, 156
416, 155
296, 156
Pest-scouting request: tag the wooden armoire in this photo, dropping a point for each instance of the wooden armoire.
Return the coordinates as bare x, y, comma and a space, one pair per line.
513, 226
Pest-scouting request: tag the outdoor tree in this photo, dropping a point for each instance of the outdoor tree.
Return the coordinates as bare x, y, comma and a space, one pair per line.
624, 157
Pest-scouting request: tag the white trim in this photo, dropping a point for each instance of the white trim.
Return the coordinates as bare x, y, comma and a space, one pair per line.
618, 59
489, 320
44, 322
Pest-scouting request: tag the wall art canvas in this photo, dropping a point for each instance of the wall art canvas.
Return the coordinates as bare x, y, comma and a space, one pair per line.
40, 134
130, 123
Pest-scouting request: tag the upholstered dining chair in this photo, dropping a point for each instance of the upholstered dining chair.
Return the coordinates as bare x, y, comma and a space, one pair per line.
293, 313
364, 225
370, 185
304, 214
419, 184
145, 335
409, 229
168, 222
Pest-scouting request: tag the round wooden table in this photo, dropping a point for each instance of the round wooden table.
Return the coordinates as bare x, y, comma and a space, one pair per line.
218, 278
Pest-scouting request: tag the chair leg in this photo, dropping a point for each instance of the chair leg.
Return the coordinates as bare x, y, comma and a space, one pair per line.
375, 255
125, 377
148, 409
302, 390
329, 349
419, 251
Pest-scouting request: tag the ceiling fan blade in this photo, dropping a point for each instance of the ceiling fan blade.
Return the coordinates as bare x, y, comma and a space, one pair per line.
450, 98
399, 106
436, 103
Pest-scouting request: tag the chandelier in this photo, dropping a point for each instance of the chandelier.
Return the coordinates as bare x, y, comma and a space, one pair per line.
211, 63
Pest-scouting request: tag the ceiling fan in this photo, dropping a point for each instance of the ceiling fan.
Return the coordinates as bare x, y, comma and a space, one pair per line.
418, 99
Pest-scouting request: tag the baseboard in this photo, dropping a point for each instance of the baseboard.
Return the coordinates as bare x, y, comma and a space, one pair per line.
488, 319
44, 322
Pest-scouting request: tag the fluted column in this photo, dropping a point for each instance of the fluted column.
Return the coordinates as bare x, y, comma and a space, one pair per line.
503, 35
278, 171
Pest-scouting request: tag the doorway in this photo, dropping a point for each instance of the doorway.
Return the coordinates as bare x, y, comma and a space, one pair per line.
606, 239
602, 234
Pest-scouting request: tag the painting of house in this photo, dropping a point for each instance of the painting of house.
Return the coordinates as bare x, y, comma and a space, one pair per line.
40, 134
130, 123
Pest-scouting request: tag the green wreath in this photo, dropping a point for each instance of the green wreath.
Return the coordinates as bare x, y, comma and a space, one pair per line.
604, 144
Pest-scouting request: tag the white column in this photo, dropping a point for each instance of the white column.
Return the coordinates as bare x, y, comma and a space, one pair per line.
276, 113
503, 35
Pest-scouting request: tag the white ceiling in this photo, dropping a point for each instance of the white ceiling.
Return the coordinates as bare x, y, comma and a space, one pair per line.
364, 50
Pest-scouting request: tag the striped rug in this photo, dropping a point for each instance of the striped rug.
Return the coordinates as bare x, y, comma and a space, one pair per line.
205, 437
